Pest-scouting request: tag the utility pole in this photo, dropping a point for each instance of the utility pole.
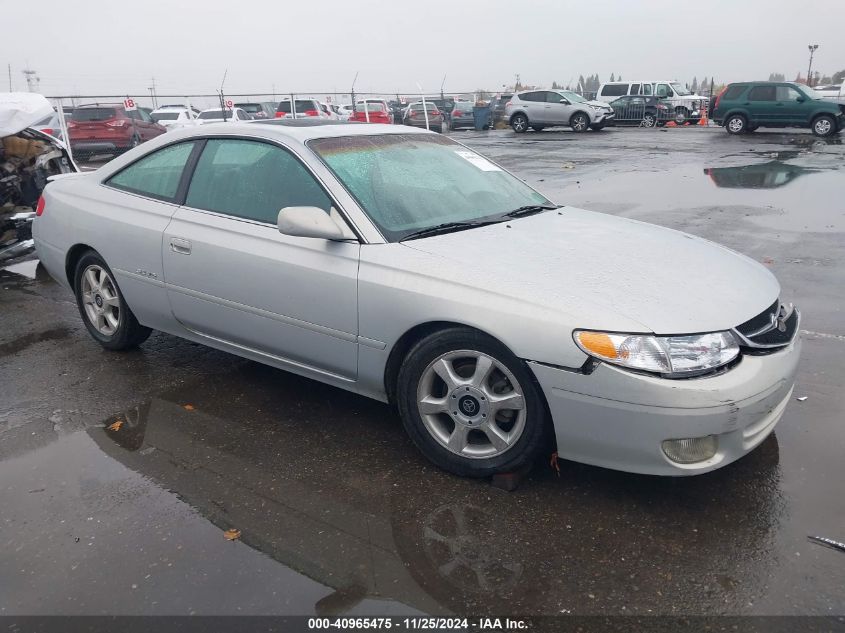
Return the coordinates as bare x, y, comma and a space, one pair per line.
517, 85
353, 94
10, 77
813, 48
153, 95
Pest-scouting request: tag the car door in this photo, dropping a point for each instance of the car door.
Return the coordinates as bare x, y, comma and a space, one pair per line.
146, 125
791, 106
557, 113
761, 106
232, 277
534, 104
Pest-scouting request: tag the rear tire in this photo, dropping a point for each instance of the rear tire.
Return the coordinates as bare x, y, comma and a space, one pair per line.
519, 123
649, 120
681, 115
736, 124
455, 433
104, 311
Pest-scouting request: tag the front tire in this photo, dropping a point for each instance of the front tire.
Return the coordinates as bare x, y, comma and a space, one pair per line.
736, 124
824, 126
579, 122
519, 123
102, 306
469, 405
649, 120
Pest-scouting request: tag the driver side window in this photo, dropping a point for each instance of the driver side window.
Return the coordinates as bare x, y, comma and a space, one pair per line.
252, 180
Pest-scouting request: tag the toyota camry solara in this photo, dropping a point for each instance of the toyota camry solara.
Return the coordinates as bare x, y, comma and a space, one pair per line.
398, 264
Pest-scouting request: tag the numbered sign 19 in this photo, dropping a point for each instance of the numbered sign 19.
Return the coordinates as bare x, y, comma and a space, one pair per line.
129, 104
229, 104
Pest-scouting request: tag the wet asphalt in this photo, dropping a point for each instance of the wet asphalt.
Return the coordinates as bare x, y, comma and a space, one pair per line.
339, 514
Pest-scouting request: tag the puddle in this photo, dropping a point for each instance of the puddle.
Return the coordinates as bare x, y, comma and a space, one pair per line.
25, 269
760, 176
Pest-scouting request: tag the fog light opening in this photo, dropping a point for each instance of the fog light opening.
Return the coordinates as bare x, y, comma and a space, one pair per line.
691, 450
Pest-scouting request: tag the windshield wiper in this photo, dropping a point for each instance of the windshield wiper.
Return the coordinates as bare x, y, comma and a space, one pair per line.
531, 209
447, 227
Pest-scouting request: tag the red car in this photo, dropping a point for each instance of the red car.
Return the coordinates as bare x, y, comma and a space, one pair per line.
109, 129
376, 112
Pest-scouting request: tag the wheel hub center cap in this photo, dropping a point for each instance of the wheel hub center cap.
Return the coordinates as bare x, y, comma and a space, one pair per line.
469, 405
98, 300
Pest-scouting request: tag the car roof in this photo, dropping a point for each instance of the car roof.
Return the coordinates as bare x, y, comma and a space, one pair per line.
297, 130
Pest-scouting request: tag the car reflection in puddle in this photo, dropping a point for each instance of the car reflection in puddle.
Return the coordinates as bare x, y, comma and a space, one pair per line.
332, 489
760, 176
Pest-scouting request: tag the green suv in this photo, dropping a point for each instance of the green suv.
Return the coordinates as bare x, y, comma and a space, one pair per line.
743, 107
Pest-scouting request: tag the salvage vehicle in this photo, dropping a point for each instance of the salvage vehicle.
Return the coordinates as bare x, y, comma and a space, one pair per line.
743, 107
109, 129
687, 106
28, 158
403, 266
539, 109
642, 111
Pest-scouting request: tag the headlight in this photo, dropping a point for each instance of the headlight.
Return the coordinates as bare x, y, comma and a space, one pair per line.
674, 356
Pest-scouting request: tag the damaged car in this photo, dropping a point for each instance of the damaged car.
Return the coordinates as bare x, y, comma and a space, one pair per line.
28, 159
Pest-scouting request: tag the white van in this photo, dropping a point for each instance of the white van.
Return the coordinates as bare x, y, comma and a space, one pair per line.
688, 106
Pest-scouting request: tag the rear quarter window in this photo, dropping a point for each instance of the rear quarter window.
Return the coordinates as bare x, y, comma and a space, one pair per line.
157, 175
733, 92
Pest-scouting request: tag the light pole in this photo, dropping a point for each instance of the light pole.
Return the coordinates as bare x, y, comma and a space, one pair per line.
813, 48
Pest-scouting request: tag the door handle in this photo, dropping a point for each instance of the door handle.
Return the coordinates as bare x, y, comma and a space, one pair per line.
179, 245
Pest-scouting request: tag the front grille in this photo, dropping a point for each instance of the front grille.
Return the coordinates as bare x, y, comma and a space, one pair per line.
770, 330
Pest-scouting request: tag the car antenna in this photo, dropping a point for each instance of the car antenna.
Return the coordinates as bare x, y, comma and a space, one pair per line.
353, 92
222, 99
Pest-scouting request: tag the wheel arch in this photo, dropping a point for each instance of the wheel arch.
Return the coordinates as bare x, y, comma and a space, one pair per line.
522, 112
73, 256
742, 113
577, 112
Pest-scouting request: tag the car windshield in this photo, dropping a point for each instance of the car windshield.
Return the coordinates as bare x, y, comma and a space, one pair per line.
680, 89
574, 97
409, 182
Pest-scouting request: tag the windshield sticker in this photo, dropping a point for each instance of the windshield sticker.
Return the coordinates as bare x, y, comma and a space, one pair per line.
479, 161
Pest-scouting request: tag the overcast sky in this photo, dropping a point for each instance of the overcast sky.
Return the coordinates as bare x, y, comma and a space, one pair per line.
99, 47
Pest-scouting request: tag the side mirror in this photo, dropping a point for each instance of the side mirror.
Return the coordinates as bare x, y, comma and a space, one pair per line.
565, 101
309, 222
800, 99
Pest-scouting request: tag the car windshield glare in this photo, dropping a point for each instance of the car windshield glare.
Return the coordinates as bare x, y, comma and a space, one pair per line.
680, 89
409, 182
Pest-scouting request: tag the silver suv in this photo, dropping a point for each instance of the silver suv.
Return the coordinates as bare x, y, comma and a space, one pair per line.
544, 108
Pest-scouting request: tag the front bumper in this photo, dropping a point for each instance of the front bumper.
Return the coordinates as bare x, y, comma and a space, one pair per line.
618, 419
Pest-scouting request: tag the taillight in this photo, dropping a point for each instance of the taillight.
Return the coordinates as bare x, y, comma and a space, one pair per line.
117, 123
457, 113
311, 113
719, 96
508, 104
435, 113
40, 208
280, 115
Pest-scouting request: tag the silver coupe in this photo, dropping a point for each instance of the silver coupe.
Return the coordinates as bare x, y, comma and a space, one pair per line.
401, 265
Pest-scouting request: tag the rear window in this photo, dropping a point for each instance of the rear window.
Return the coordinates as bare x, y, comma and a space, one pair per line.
301, 106
614, 90
430, 107
371, 107
252, 108
213, 114
93, 114
733, 92
164, 116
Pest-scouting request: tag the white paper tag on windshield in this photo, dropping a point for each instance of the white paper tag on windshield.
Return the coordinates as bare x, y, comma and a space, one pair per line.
476, 159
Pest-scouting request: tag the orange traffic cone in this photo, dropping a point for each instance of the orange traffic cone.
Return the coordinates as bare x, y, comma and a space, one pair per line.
703, 120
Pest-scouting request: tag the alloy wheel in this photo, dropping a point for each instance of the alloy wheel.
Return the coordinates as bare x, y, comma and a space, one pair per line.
580, 122
100, 300
822, 127
471, 404
736, 125
648, 120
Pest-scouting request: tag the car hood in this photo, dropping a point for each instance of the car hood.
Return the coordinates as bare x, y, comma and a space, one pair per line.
607, 272
20, 110
599, 104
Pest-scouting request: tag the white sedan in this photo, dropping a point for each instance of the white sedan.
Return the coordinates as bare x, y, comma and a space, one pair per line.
401, 265
216, 115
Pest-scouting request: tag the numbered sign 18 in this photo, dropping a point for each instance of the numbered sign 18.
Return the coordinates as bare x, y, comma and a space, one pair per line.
129, 104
